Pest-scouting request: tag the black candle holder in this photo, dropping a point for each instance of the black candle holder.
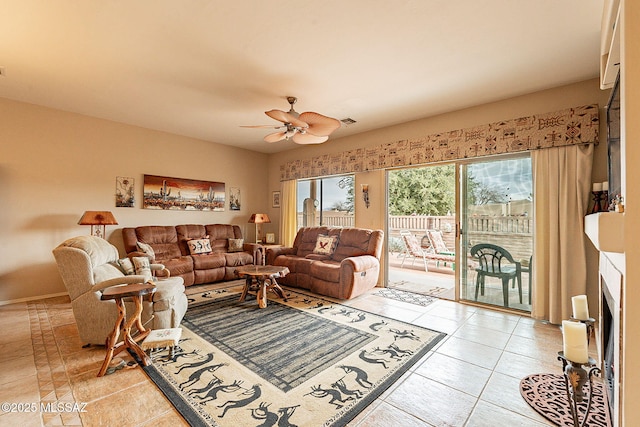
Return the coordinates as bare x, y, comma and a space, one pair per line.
576, 377
597, 198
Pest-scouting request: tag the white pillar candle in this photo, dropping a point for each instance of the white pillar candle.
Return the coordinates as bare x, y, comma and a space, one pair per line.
605, 186
580, 307
597, 186
574, 341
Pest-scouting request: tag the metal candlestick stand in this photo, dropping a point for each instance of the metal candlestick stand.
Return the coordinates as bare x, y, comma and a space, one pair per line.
575, 378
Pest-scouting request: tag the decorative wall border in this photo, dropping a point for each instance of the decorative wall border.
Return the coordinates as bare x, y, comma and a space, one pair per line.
577, 125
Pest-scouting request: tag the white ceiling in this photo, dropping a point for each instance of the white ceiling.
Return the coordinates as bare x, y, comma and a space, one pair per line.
203, 68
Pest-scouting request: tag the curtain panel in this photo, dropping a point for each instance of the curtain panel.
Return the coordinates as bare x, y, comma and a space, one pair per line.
562, 185
288, 212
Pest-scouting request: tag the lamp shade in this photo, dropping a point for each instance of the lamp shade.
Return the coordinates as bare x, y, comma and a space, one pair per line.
97, 218
259, 218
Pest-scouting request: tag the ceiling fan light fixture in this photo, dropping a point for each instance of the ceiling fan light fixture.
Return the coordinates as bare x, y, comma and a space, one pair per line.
289, 133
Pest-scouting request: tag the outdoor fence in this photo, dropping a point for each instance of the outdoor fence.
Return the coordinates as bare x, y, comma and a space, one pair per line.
514, 233
329, 219
417, 223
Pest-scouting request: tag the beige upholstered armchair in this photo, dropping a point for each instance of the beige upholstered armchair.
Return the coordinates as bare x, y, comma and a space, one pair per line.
89, 264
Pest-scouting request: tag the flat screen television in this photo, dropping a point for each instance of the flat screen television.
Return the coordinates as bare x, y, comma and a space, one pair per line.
613, 143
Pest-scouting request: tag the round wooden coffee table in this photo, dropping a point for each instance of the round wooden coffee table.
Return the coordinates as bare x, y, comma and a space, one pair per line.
265, 278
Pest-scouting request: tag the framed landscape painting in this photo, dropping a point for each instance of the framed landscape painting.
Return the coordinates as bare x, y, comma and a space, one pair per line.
161, 192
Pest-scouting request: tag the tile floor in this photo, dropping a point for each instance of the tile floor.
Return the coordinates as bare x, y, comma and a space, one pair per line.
470, 379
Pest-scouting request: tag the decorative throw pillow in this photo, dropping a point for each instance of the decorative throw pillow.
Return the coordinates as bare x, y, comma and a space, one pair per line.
235, 245
199, 246
325, 245
126, 266
146, 249
142, 266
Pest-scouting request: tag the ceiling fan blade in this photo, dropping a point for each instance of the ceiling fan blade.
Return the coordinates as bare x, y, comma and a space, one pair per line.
319, 125
275, 137
307, 138
285, 118
261, 126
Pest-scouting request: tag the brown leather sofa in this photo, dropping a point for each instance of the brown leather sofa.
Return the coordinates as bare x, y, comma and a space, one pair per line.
349, 270
170, 247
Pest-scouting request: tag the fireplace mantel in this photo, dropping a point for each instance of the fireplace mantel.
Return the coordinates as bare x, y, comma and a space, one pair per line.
606, 231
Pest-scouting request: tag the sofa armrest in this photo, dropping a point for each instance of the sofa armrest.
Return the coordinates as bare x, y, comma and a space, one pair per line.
273, 253
358, 274
160, 267
256, 250
360, 263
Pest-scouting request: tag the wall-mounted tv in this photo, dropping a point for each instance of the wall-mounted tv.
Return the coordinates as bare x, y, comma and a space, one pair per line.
613, 143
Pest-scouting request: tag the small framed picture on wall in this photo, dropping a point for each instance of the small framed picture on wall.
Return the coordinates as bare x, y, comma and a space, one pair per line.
234, 198
125, 197
270, 238
275, 199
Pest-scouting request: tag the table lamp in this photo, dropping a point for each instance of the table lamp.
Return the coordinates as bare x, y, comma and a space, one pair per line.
258, 219
98, 220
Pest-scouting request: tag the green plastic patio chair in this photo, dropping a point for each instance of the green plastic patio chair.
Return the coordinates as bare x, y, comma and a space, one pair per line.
495, 261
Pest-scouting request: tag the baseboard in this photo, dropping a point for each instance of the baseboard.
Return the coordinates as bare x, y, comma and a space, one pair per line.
39, 297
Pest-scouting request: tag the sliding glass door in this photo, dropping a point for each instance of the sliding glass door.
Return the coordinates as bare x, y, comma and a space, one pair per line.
422, 230
496, 242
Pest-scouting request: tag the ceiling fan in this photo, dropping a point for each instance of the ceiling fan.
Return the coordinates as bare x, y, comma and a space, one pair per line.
305, 128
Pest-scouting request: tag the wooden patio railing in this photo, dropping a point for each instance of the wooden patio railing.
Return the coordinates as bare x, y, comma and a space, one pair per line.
515, 233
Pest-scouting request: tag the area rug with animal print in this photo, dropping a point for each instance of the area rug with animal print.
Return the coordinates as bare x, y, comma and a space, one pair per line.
306, 361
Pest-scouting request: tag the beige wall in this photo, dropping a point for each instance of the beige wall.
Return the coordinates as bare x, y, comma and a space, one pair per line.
630, 88
582, 93
55, 165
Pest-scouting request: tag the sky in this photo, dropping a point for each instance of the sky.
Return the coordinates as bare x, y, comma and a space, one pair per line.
513, 176
332, 193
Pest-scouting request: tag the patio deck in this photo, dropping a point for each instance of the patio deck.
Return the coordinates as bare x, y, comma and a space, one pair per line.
440, 282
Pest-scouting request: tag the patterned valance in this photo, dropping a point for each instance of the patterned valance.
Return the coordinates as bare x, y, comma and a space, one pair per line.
578, 125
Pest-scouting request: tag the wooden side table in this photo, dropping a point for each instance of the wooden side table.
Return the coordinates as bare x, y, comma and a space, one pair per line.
136, 291
267, 246
265, 277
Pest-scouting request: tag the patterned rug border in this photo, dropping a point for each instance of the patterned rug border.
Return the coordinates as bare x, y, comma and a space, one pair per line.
197, 418
191, 416
406, 296
432, 291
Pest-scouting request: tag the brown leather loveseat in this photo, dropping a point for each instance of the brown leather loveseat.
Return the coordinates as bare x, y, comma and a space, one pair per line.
185, 252
337, 262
